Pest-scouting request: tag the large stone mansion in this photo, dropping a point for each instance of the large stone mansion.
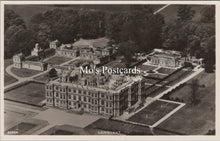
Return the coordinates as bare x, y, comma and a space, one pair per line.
106, 94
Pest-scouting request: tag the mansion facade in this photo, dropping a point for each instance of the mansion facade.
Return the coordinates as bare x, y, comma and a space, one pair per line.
107, 95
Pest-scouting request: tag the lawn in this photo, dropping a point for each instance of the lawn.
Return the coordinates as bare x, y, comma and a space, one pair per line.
195, 119
57, 60
24, 72
8, 79
119, 126
31, 93
151, 89
156, 76
150, 81
166, 70
146, 67
152, 113
21, 128
65, 130
157, 91
177, 77
44, 77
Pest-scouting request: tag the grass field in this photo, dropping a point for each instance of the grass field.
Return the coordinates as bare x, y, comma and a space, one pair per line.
24, 72
8, 79
117, 126
151, 81
21, 128
146, 67
156, 76
152, 113
42, 77
57, 60
32, 93
166, 70
177, 76
65, 130
202, 115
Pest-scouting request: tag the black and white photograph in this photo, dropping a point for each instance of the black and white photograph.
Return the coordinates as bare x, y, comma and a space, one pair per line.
129, 69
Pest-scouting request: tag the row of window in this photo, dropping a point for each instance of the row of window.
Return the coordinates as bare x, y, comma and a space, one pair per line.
102, 102
103, 95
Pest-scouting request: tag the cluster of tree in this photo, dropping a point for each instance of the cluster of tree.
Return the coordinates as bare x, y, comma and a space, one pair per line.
194, 38
136, 29
17, 37
67, 25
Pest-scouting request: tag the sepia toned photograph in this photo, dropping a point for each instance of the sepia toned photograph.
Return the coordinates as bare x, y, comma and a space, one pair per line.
109, 69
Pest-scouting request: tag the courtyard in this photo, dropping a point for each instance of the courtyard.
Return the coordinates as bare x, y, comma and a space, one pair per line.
57, 60
30, 93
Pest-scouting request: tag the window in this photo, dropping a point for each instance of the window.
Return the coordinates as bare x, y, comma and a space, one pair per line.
69, 96
57, 94
47, 93
85, 99
79, 98
102, 109
84, 92
102, 102
95, 101
69, 103
57, 101
74, 97
61, 96
69, 90
79, 91
84, 105
106, 104
74, 91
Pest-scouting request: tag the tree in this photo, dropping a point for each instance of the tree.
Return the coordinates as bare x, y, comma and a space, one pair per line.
52, 73
210, 55
208, 14
17, 37
127, 49
185, 13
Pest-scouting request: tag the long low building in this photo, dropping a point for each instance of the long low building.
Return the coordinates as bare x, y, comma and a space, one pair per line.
33, 61
107, 95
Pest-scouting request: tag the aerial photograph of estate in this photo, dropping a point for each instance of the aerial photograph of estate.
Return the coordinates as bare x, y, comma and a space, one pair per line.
143, 69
